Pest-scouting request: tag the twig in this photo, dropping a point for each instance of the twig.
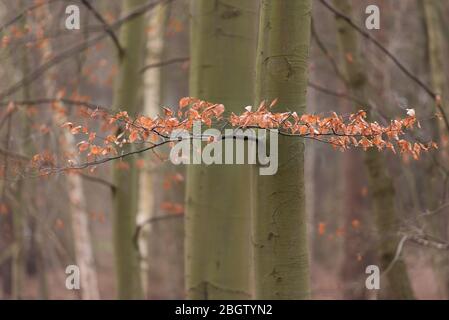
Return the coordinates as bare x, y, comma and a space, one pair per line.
336, 94
396, 256
83, 175
39, 101
395, 60
423, 241
75, 49
108, 159
22, 13
99, 180
164, 63
435, 211
326, 53
107, 27
141, 225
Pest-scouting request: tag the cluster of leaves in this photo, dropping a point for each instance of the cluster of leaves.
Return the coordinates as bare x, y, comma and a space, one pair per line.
343, 132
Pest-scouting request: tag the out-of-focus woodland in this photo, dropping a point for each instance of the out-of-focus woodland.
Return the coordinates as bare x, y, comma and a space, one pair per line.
140, 227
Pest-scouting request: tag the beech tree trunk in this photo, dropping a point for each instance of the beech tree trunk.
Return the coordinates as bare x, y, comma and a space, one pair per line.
223, 43
279, 226
127, 97
438, 224
380, 184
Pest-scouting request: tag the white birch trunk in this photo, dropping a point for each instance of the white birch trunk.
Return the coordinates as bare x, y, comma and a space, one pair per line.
151, 106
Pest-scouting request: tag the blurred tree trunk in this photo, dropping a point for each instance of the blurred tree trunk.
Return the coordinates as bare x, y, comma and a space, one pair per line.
223, 43
155, 37
21, 217
41, 264
127, 98
352, 270
439, 223
8, 246
166, 267
84, 255
380, 184
279, 230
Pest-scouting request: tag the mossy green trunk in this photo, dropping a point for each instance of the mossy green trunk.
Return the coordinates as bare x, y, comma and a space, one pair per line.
279, 222
223, 43
127, 97
380, 184
20, 218
439, 223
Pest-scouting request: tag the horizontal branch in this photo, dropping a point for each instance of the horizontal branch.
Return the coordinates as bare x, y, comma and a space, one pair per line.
99, 180
40, 101
164, 63
141, 225
105, 160
425, 242
343, 132
24, 158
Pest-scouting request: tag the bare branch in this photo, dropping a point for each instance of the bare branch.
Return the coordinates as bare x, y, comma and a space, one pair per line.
164, 63
141, 225
27, 79
337, 94
326, 53
23, 13
424, 241
395, 60
396, 256
99, 180
39, 101
107, 27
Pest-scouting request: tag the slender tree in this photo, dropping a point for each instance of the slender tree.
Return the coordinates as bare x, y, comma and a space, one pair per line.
380, 184
279, 226
21, 217
167, 261
352, 271
127, 98
151, 107
84, 255
439, 224
223, 43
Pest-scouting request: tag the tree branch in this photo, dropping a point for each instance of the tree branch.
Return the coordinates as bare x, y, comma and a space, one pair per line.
22, 13
164, 63
141, 225
395, 60
27, 79
107, 27
39, 101
327, 54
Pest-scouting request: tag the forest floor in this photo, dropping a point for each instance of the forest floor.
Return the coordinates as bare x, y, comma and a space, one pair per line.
325, 282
